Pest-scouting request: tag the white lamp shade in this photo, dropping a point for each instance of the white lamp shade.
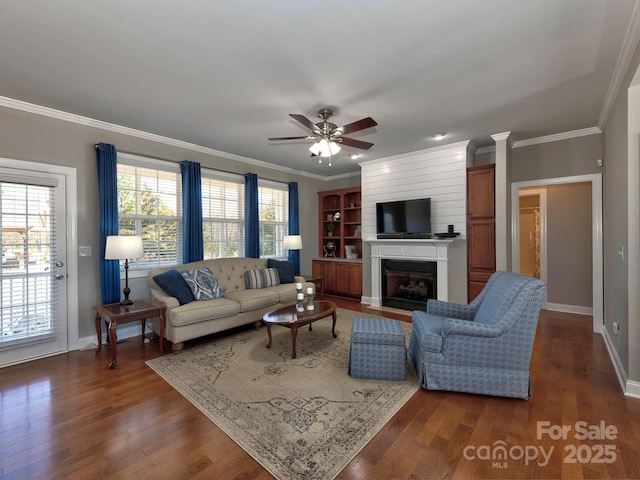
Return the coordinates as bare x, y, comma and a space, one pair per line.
324, 148
121, 247
292, 242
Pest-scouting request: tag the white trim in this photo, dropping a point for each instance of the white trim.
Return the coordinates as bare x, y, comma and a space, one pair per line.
576, 309
596, 234
489, 149
622, 65
557, 137
462, 145
71, 189
515, 234
148, 162
111, 127
623, 379
497, 137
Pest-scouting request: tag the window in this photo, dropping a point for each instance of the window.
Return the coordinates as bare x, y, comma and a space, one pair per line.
222, 214
150, 205
273, 213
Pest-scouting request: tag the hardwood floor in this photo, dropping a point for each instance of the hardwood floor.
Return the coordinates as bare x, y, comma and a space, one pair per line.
70, 417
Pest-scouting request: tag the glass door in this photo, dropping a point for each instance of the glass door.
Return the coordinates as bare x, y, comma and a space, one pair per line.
33, 277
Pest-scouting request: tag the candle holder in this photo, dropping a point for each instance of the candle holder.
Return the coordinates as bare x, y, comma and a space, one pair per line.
298, 288
300, 302
310, 305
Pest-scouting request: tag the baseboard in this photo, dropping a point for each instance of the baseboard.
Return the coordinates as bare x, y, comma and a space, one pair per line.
578, 310
618, 367
129, 330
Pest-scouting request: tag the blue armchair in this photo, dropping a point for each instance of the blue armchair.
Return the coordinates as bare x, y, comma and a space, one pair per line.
484, 347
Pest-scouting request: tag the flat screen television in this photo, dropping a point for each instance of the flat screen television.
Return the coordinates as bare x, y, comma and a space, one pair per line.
404, 219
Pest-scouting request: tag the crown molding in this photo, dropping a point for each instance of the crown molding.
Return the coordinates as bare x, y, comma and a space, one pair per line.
503, 136
489, 149
440, 148
624, 61
557, 136
111, 127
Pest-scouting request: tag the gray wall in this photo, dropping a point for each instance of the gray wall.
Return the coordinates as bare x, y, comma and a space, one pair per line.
562, 158
569, 249
29, 137
616, 231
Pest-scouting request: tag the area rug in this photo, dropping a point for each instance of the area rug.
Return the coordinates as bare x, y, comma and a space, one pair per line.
299, 418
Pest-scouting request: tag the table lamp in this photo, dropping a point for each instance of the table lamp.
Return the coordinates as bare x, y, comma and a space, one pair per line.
292, 242
124, 247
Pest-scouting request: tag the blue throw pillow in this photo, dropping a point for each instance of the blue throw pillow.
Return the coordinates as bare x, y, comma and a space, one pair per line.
173, 284
285, 270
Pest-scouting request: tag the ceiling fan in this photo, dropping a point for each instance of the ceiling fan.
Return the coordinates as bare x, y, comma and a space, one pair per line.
328, 135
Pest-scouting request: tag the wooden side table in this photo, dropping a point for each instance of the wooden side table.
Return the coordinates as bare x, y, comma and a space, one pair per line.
315, 280
115, 313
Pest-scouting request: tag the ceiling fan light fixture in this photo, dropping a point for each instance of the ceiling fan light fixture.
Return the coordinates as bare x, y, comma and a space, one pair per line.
324, 148
438, 136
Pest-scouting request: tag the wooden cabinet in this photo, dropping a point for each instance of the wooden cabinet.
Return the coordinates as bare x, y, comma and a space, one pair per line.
340, 278
481, 228
339, 222
349, 278
326, 270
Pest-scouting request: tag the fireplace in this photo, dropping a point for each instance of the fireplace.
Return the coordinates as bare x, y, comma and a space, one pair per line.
408, 284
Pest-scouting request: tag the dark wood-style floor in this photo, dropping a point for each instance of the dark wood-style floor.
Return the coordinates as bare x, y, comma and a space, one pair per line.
70, 417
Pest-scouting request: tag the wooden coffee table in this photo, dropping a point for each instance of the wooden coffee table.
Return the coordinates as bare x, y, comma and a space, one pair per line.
292, 319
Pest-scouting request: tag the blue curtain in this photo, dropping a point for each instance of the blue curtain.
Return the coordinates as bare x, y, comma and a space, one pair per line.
192, 242
108, 199
252, 222
294, 224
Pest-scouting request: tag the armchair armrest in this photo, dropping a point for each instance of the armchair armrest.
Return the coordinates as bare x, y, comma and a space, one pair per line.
451, 310
454, 326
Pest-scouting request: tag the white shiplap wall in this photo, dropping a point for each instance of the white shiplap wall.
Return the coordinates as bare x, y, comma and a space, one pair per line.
437, 173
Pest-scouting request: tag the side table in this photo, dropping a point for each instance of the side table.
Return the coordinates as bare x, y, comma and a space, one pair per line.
115, 313
315, 280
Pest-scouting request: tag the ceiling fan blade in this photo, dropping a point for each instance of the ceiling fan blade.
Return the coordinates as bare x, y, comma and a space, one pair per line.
351, 142
357, 126
304, 121
288, 138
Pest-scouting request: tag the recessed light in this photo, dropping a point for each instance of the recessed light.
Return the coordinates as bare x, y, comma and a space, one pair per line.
354, 156
438, 136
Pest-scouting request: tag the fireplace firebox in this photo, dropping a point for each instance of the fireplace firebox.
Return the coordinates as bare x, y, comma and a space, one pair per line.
408, 284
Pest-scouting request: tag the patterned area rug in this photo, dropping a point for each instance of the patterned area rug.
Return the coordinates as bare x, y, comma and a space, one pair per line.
299, 418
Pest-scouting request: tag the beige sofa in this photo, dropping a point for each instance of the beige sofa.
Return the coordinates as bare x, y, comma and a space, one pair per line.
239, 306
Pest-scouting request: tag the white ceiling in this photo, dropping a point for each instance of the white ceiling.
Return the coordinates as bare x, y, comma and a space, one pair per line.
226, 74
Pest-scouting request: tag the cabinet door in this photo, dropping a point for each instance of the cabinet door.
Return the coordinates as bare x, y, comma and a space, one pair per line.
481, 192
330, 277
355, 280
349, 279
481, 245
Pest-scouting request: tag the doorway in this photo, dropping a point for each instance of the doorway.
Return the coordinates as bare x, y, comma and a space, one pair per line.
34, 318
596, 265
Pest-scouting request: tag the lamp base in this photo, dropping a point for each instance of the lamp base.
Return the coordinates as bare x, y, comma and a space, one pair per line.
126, 301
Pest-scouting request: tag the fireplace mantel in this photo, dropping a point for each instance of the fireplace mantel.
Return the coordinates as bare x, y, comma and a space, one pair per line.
433, 250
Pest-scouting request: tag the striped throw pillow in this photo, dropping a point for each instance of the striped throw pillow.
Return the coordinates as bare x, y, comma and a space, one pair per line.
262, 278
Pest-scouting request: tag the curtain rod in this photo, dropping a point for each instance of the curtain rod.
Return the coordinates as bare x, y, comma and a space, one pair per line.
97, 147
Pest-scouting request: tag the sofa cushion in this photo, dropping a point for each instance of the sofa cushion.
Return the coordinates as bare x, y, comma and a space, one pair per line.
202, 283
174, 285
250, 300
285, 269
205, 310
261, 278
